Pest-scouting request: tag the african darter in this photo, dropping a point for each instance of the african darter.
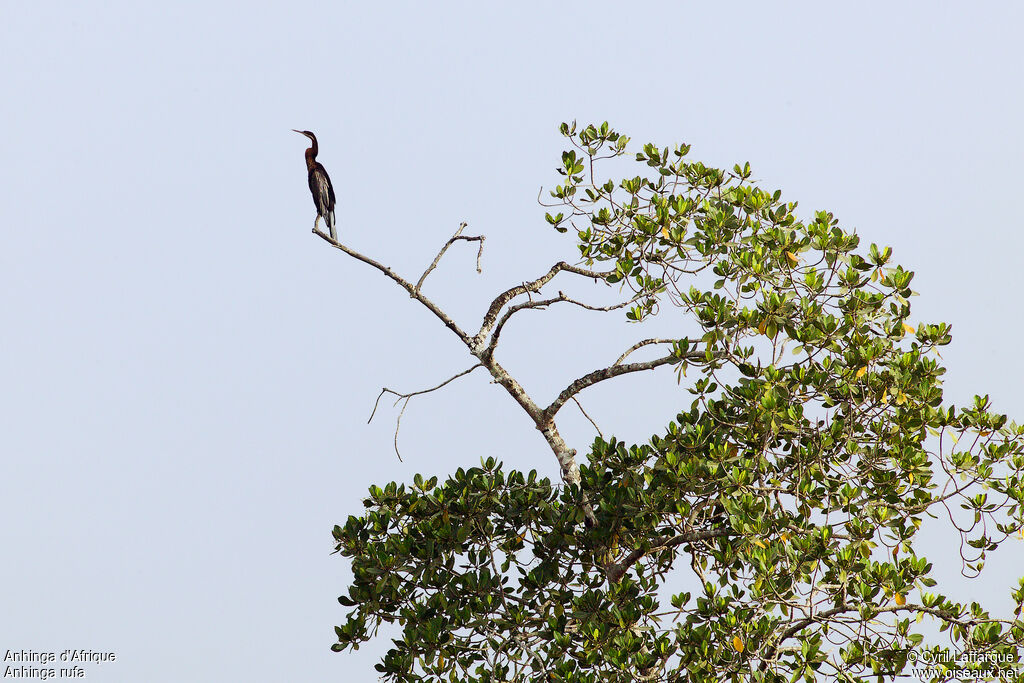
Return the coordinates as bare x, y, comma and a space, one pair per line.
319, 186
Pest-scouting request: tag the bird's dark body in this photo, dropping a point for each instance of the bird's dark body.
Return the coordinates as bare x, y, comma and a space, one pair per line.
320, 186
323, 193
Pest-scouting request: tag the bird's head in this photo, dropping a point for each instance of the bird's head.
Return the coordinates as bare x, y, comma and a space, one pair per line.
307, 133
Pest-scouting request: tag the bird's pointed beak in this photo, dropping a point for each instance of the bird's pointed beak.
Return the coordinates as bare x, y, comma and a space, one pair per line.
298, 131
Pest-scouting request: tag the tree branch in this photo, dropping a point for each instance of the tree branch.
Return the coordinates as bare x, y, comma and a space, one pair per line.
542, 420
800, 625
457, 236
403, 283
640, 344
580, 406
607, 373
615, 570
491, 317
406, 397
543, 303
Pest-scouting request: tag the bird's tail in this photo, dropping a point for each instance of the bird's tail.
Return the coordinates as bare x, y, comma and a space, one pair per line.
330, 225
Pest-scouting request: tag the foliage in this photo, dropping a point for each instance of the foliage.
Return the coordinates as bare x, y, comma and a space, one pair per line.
787, 493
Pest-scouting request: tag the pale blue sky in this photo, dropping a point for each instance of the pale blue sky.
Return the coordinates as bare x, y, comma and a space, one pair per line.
187, 371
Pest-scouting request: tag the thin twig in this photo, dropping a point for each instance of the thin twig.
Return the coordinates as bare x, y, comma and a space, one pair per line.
385, 390
457, 236
580, 406
405, 397
541, 191
398, 425
610, 307
479, 255
639, 344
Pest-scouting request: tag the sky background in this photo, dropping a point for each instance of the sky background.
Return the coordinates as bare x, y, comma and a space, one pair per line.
187, 371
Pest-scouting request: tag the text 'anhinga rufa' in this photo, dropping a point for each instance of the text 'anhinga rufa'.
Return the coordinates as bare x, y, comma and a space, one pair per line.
319, 186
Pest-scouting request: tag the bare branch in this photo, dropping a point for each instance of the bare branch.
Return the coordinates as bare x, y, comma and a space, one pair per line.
544, 423
405, 397
403, 283
541, 304
607, 373
400, 395
541, 191
640, 344
457, 236
398, 425
611, 307
479, 254
580, 406
491, 317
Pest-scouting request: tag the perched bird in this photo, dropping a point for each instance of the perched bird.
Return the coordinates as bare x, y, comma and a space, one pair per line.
320, 186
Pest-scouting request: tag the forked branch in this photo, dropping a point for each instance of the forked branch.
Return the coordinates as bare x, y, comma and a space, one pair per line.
541, 304
491, 316
454, 238
402, 282
404, 400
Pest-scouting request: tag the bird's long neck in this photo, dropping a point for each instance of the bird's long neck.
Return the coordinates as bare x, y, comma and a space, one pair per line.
312, 151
